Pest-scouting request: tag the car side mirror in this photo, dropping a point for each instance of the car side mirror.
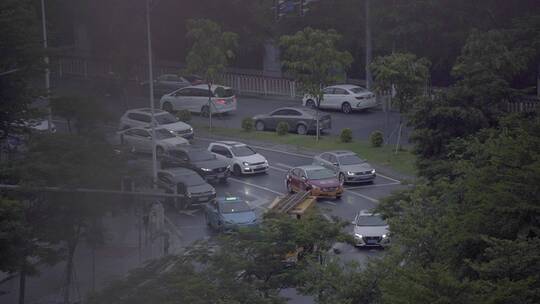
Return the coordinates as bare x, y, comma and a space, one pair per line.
336, 164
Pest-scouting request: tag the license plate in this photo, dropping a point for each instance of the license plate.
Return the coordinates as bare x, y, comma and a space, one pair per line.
371, 241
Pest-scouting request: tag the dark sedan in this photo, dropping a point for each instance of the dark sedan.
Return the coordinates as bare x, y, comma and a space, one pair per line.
201, 160
300, 120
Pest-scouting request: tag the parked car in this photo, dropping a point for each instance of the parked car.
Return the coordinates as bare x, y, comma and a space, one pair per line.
350, 167
198, 159
194, 79
321, 182
229, 213
188, 183
140, 140
300, 120
167, 83
195, 99
344, 97
370, 230
241, 157
142, 118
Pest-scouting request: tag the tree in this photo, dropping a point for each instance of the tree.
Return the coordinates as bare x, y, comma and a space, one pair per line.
67, 162
20, 61
209, 55
85, 111
406, 74
311, 56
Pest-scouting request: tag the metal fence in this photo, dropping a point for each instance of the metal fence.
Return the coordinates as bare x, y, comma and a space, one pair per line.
243, 83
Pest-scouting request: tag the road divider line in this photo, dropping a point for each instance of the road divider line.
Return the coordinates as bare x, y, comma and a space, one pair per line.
372, 186
278, 169
328, 202
371, 199
256, 186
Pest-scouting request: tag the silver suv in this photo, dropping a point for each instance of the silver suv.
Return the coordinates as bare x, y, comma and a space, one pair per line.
142, 118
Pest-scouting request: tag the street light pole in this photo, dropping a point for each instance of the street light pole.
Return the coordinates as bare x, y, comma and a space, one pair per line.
151, 81
47, 72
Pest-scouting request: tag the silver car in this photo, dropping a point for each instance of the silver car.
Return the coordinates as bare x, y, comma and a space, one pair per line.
370, 230
300, 120
350, 167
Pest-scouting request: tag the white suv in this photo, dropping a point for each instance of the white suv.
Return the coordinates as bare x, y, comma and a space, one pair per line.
345, 97
142, 118
241, 157
195, 99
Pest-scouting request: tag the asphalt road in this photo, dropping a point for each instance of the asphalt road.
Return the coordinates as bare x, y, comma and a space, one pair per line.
260, 190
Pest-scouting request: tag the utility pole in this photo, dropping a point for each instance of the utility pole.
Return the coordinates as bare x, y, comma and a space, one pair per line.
47, 72
151, 80
369, 49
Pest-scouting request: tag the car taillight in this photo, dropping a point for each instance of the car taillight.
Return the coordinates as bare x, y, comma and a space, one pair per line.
221, 101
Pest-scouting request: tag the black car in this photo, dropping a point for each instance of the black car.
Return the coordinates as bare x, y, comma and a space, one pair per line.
188, 183
198, 159
300, 120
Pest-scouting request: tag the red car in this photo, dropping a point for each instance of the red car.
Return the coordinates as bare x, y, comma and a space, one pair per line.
320, 181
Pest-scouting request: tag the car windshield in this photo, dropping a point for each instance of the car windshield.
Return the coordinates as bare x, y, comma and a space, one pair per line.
358, 90
223, 93
242, 151
350, 160
234, 207
370, 220
320, 174
164, 134
164, 119
201, 155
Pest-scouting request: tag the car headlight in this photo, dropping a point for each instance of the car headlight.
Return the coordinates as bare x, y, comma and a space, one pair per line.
265, 162
206, 169
384, 236
372, 171
358, 236
350, 173
245, 163
189, 194
190, 129
229, 167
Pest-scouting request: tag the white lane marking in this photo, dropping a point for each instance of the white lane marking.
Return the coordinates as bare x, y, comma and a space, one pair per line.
278, 169
283, 165
293, 154
371, 199
256, 186
372, 186
328, 202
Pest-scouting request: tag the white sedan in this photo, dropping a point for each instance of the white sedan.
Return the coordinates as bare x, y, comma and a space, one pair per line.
195, 99
140, 140
345, 97
241, 157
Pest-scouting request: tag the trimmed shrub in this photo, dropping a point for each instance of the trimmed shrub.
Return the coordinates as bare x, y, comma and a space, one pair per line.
282, 128
346, 135
376, 139
184, 115
248, 124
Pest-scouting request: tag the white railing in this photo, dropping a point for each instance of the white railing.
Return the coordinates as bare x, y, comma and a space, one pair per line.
241, 83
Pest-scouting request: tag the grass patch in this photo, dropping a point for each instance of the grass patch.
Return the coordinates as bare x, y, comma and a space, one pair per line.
402, 162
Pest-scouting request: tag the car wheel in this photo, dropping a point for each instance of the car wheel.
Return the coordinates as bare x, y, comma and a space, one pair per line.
289, 188
301, 129
310, 103
346, 108
338, 196
342, 178
236, 170
259, 125
159, 151
167, 107
205, 112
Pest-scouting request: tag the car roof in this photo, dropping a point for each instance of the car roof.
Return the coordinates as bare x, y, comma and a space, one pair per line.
346, 86
368, 213
146, 111
235, 199
340, 152
299, 109
310, 167
205, 86
230, 143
